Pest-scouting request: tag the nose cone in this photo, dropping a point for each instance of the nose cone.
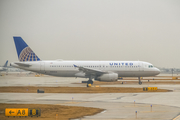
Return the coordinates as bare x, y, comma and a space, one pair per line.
157, 71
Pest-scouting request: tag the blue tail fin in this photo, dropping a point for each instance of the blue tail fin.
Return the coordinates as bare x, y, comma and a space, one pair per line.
24, 52
5, 65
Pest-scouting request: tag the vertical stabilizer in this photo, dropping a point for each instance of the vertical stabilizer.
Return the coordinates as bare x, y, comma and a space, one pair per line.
24, 52
5, 65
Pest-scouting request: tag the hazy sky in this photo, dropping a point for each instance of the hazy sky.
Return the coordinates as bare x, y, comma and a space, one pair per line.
146, 30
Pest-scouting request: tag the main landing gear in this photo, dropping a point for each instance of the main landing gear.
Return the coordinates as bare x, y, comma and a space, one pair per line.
139, 80
89, 83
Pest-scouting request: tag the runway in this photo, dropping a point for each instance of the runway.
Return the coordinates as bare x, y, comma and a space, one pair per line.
165, 105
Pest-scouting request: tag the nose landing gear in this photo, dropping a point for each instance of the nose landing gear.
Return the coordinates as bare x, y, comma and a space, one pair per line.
139, 80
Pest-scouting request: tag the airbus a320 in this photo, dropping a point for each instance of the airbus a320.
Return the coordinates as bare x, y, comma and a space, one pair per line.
97, 70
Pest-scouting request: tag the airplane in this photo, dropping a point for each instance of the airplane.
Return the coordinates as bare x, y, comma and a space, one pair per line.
4, 68
97, 70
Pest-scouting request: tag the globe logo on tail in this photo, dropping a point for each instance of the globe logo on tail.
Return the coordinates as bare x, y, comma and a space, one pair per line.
28, 55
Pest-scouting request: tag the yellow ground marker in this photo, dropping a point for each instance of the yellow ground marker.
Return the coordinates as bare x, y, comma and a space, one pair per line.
16, 112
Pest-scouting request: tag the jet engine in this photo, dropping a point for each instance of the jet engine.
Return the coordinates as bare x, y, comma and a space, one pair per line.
107, 77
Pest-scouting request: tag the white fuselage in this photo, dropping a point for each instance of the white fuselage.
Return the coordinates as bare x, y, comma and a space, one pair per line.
67, 69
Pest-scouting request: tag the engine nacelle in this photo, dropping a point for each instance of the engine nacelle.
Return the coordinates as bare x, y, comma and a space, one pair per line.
108, 77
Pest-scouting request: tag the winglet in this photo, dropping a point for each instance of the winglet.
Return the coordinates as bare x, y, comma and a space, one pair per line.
5, 65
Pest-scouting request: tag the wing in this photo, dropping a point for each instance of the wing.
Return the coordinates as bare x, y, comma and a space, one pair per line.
90, 71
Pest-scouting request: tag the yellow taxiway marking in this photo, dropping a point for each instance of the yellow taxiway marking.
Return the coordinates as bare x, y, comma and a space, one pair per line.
178, 117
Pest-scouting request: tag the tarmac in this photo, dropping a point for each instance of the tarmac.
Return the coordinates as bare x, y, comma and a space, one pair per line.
117, 106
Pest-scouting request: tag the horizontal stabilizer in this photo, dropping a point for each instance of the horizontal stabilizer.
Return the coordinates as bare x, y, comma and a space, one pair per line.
22, 64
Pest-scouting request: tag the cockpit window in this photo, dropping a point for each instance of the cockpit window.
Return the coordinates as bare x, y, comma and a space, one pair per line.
150, 66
